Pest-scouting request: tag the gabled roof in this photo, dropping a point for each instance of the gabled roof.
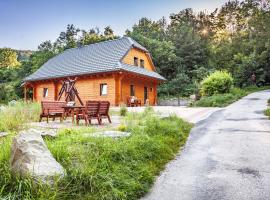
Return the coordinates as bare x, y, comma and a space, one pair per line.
94, 58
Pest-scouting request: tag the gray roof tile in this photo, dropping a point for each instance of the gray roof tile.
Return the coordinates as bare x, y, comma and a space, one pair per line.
93, 58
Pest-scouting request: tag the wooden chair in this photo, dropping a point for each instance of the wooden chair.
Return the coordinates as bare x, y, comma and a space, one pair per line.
103, 112
131, 102
52, 109
91, 111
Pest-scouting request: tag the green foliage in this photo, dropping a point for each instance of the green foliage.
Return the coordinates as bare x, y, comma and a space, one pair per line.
219, 82
267, 112
8, 58
103, 168
122, 128
13, 117
123, 110
222, 100
234, 38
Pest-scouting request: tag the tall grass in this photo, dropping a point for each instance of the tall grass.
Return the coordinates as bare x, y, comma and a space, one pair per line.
12, 117
106, 168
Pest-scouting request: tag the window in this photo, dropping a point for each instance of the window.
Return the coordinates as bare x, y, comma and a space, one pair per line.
132, 90
103, 89
136, 60
45, 92
142, 63
151, 89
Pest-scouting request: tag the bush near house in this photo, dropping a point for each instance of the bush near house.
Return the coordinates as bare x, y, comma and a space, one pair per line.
219, 82
103, 168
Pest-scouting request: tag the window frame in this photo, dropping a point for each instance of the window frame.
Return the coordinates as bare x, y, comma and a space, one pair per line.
101, 89
136, 61
45, 92
142, 63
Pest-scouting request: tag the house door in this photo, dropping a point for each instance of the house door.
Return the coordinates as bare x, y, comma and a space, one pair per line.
145, 94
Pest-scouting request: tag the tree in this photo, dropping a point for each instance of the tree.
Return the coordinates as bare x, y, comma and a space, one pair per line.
108, 31
8, 58
67, 39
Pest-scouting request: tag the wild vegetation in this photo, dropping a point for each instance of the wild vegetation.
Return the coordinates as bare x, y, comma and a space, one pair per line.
267, 112
14, 116
222, 100
103, 168
185, 49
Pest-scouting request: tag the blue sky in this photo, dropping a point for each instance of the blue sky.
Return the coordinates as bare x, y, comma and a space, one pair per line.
24, 24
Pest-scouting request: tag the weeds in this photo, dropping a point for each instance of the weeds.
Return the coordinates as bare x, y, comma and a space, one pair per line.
12, 117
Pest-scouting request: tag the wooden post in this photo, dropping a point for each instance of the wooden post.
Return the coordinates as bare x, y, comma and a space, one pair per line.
155, 90
55, 90
25, 95
120, 87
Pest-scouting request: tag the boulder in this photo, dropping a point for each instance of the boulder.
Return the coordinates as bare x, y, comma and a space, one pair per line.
31, 157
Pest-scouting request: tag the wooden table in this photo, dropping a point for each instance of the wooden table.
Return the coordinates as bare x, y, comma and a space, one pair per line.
72, 110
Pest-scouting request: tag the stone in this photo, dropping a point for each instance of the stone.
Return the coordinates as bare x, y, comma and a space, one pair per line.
12, 103
31, 157
112, 134
3, 134
45, 132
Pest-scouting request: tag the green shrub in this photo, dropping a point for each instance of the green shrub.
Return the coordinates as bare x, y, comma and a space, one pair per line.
221, 100
122, 128
219, 82
267, 112
123, 110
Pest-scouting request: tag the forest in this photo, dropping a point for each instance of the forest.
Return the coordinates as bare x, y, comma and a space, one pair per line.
185, 48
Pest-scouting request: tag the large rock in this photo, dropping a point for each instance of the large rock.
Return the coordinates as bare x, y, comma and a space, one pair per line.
31, 157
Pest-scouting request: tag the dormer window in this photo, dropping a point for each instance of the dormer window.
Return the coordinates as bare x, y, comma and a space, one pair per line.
141, 63
136, 61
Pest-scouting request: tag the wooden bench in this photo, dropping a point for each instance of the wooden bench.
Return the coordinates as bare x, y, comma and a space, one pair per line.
94, 110
52, 109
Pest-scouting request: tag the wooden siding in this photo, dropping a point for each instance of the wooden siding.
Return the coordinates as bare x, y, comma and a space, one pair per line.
88, 88
129, 59
38, 91
118, 88
139, 85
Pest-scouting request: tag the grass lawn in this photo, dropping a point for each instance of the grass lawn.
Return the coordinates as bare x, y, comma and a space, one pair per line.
222, 100
103, 168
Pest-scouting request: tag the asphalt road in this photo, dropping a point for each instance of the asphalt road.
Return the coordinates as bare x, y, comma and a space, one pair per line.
227, 156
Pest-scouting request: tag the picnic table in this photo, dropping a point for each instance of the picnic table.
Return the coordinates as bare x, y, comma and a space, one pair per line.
72, 109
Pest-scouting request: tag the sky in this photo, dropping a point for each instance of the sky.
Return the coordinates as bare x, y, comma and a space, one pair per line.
24, 24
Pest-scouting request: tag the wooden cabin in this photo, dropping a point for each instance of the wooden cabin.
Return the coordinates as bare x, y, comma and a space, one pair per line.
112, 70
